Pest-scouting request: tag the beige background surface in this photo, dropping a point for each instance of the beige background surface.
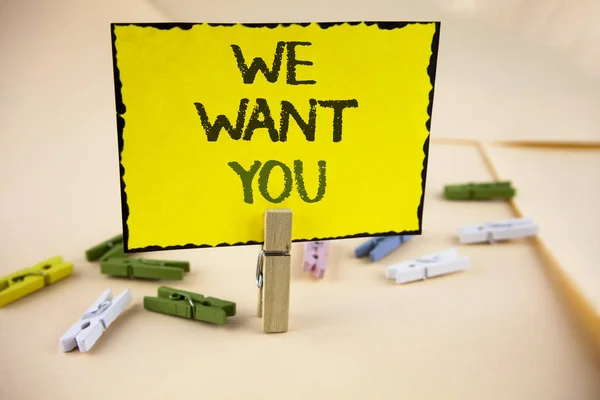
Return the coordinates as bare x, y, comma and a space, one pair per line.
568, 203
566, 206
507, 69
497, 331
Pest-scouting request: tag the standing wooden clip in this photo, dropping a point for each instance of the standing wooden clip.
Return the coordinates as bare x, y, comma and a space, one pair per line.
273, 271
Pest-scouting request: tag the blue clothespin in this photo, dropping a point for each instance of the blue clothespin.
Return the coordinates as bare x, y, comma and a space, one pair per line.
380, 246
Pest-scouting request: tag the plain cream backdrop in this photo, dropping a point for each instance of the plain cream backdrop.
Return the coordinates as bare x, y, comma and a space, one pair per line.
508, 69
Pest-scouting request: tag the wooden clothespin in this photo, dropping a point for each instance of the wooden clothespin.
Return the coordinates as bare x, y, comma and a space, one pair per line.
492, 232
480, 191
111, 248
32, 279
190, 305
315, 258
429, 266
379, 247
84, 333
273, 271
145, 269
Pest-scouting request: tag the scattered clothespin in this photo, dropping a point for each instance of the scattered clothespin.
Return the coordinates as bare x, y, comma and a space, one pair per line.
273, 275
315, 258
111, 248
86, 332
32, 279
190, 305
429, 266
497, 231
145, 269
379, 247
480, 191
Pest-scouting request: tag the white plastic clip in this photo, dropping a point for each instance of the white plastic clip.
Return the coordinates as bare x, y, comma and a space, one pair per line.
429, 266
85, 332
496, 231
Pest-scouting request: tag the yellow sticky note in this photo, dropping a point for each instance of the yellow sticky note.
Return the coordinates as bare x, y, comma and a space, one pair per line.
219, 122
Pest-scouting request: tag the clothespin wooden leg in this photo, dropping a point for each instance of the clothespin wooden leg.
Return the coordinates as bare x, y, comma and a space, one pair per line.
260, 302
274, 287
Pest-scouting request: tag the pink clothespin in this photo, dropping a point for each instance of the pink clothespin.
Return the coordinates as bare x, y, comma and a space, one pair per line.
315, 258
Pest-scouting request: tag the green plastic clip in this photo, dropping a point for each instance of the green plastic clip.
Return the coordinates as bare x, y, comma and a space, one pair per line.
480, 191
190, 305
145, 269
110, 248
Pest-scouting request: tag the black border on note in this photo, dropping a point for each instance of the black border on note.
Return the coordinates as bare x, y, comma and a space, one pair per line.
120, 110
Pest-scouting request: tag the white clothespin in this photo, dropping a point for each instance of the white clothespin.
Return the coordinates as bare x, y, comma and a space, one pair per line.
429, 266
495, 231
85, 332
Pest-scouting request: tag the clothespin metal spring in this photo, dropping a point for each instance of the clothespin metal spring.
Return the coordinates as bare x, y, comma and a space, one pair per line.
37, 273
259, 263
425, 260
490, 235
99, 310
182, 296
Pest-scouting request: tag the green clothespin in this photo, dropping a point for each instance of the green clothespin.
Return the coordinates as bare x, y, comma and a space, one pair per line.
146, 269
480, 191
190, 305
110, 248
